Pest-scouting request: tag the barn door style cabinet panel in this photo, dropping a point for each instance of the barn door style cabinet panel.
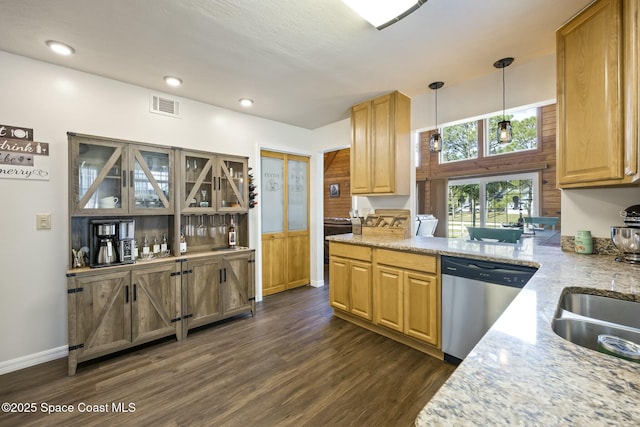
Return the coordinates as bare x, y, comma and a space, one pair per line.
217, 287
597, 77
381, 146
113, 311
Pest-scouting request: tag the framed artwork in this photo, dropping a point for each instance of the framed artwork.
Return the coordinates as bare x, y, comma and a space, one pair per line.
334, 190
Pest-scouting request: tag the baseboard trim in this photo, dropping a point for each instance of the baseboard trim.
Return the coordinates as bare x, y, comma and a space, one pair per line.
317, 283
33, 359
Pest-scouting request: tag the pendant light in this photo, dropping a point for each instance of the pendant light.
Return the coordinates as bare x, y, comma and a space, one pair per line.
435, 142
505, 133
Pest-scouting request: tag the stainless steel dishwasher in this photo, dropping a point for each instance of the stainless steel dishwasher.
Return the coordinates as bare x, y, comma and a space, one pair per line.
474, 295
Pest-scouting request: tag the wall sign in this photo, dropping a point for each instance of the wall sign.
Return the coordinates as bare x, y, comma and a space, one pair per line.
20, 156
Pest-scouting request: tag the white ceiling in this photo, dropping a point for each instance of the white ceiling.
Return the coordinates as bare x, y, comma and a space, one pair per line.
304, 62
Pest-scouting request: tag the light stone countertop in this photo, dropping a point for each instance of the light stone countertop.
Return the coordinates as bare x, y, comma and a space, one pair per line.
521, 372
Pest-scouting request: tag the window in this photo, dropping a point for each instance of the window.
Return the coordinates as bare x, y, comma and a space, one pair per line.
491, 201
524, 125
460, 142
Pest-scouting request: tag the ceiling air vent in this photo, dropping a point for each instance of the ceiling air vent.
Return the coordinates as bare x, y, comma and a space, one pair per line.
165, 106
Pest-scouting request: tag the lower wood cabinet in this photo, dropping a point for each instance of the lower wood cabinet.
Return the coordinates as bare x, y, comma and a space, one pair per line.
109, 312
120, 307
350, 274
394, 293
201, 292
216, 287
407, 295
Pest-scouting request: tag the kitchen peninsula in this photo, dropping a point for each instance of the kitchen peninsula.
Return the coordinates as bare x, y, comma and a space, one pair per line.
521, 372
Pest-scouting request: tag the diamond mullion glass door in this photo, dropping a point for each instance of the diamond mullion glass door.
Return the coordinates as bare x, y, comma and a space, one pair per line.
198, 184
233, 186
151, 180
99, 186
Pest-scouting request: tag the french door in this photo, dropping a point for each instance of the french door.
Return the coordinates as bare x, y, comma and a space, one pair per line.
285, 221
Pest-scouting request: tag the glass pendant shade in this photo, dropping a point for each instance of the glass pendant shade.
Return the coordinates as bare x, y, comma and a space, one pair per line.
435, 142
504, 127
504, 131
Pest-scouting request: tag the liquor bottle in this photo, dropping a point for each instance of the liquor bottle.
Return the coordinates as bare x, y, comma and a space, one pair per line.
156, 246
232, 234
164, 244
183, 243
145, 245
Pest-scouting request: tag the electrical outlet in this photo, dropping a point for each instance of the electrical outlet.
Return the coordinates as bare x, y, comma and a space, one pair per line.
43, 221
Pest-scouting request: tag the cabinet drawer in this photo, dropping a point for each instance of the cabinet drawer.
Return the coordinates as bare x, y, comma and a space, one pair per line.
350, 251
426, 263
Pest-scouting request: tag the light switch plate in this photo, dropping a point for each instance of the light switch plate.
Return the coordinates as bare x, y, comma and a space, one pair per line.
43, 221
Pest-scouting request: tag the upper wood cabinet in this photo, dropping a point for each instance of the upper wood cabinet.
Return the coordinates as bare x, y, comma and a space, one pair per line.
381, 146
111, 177
213, 183
597, 78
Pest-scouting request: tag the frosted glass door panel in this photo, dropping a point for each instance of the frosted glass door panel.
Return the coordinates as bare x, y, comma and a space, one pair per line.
272, 171
297, 206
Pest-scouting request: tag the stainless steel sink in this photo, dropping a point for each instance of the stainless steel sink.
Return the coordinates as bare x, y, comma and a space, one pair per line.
599, 307
580, 318
585, 333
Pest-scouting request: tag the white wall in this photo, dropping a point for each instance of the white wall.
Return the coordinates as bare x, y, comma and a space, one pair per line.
53, 100
595, 210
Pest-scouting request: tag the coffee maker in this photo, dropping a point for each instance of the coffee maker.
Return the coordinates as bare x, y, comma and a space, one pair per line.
126, 242
111, 242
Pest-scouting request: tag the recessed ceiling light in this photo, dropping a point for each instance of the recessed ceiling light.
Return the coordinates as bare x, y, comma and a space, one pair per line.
246, 102
60, 48
172, 81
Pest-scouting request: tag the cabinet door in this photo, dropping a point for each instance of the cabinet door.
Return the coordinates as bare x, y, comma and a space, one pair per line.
632, 88
198, 185
101, 314
389, 297
155, 306
202, 291
383, 145
360, 148
150, 180
421, 318
232, 185
98, 176
234, 289
590, 138
339, 283
361, 289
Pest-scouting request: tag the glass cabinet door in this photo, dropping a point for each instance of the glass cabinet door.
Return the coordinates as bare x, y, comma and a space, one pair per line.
150, 180
99, 171
232, 185
198, 183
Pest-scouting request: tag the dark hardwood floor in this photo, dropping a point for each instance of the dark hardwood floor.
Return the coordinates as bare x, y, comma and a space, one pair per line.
293, 364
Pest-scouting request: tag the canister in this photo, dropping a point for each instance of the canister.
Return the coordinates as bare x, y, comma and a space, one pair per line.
584, 242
